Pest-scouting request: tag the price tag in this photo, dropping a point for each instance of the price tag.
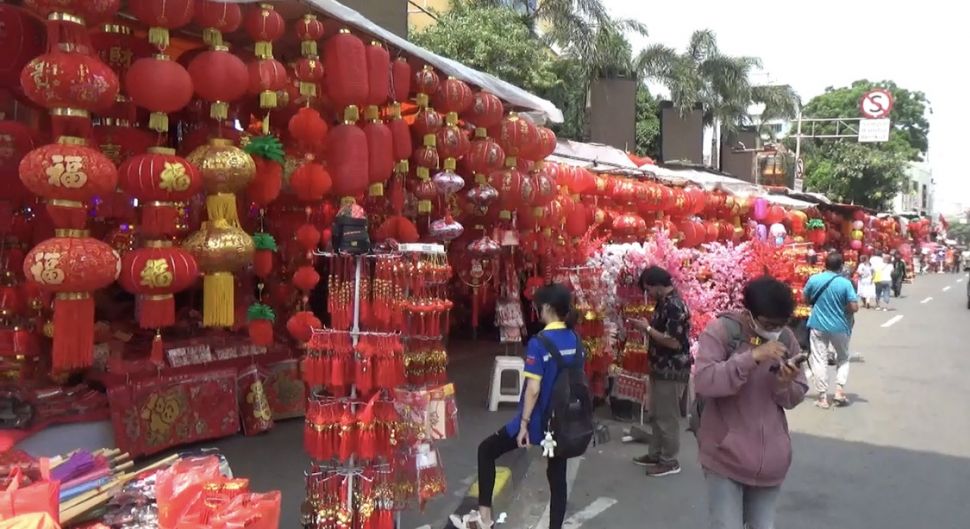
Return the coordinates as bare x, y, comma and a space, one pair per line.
426, 457
421, 248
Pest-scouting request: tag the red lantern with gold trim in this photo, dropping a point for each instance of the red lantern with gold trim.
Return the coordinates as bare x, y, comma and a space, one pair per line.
426, 121
347, 157
160, 180
309, 30
155, 273
266, 78
161, 16
516, 135
216, 19
426, 83
543, 146
219, 78
486, 110
72, 268
485, 155
629, 226
453, 97
345, 61
68, 174
160, 85
92, 11
264, 25
69, 81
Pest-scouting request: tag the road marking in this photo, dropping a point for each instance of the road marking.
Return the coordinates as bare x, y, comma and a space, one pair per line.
927, 300
960, 280
502, 477
591, 511
946, 288
572, 470
893, 321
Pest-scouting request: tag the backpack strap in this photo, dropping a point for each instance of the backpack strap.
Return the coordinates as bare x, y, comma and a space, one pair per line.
551, 349
734, 333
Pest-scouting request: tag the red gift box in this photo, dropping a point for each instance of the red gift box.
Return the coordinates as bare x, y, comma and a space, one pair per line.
285, 390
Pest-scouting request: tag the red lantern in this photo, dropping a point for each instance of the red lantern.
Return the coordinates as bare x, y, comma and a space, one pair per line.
453, 98
162, 16
60, 80
452, 144
511, 185
264, 25
576, 221
216, 19
347, 157
266, 78
68, 174
776, 214
380, 150
426, 156
345, 60
219, 78
309, 30
155, 273
400, 79
516, 135
21, 40
425, 84
91, 11
378, 74
72, 268
543, 147
162, 86
486, 110
545, 188
16, 140
485, 155
301, 326
160, 180
310, 182
400, 138
308, 237
629, 226
426, 121
117, 46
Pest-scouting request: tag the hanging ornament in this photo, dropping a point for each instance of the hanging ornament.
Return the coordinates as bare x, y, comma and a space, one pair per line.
309, 130
160, 85
378, 74
264, 246
219, 78
220, 250
155, 273
118, 47
267, 76
162, 182
225, 170
162, 16
345, 61
446, 229
216, 19
261, 319
22, 39
310, 182
400, 80
348, 157
309, 68
380, 150
267, 153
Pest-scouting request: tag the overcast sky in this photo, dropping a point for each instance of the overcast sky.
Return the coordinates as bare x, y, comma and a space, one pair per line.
919, 45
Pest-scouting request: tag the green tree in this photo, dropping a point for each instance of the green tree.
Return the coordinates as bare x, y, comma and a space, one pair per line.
869, 174
648, 124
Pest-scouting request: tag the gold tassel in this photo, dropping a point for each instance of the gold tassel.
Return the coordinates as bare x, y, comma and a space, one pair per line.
158, 121
308, 89
219, 110
403, 166
267, 99
159, 37
219, 298
212, 37
263, 49
222, 206
376, 190
424, 207
309, 48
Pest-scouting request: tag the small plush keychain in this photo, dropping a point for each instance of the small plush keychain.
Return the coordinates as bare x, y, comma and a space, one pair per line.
548, 446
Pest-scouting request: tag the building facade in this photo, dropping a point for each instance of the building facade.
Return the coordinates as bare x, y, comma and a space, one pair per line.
916, 193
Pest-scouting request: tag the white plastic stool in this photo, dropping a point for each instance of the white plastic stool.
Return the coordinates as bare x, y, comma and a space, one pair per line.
502, 365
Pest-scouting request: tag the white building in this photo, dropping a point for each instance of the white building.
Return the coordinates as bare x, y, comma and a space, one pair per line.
917, 192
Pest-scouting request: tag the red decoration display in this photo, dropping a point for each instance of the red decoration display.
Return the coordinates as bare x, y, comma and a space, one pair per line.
160, 85
22, 39
162, 16
345, 61
160, 180
155, 273
219, 78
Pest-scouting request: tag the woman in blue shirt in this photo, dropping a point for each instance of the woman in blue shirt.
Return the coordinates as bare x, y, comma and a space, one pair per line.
554, 304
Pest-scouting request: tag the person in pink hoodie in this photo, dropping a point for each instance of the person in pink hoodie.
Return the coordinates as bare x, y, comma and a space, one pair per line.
747, 374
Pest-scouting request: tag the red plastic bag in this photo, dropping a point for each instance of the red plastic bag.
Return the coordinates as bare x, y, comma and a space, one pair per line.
179, 489
38, 497
31, 521
249, 511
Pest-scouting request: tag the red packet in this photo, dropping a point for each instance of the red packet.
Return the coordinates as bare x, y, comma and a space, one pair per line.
38, 497
285, 390
180, 490
254, 408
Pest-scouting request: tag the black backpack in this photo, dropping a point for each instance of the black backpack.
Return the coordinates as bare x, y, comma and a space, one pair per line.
569, 416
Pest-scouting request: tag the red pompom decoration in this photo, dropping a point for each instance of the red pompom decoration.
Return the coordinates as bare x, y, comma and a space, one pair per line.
347, 158
400, 80
301, 326
345, 60
308, 237
266, 184
308, 129
160, 85
378, 74
306, 278
398, 228
310, 182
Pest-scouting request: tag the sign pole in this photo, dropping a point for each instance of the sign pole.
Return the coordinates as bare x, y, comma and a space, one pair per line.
798, 151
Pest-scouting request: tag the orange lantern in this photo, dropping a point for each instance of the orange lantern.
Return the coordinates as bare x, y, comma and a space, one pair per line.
155, 273
160, 180
345, 61
72, 267
68, 174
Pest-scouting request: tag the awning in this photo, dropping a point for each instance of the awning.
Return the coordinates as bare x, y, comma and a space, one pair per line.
506, 91
592, 156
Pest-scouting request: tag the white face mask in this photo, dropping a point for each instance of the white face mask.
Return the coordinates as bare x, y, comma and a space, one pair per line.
771, 336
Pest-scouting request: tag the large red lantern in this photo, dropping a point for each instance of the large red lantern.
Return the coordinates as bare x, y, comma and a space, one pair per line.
776, 214
216, 19
380, 151
155, 273
629, 226
21, 40
485, 111
345, 61
514, 188
91, 11
16, 140
347, 157
400, 80
219, 78
264, 25
72, 268
543, 147
162, 16
425, 84
266, 78
71, 81
516, 135
68, 174
401, 138
378, 74
161, 85
453, 97
160, 180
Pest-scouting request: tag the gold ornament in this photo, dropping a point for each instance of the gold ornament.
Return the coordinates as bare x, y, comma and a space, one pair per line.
220, 250
225, 170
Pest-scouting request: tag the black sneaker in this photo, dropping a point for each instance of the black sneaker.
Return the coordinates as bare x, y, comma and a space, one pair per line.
663, 469
647, 460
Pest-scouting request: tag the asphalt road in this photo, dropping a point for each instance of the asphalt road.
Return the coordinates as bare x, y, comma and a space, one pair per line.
897, 458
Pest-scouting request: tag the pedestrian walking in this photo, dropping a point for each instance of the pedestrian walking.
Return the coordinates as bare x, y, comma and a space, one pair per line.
670, 361
747, 375
834, 302
883, 277
554, 305
867, 285
898, 274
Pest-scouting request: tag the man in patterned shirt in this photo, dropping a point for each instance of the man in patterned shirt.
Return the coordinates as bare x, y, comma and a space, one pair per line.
670, 360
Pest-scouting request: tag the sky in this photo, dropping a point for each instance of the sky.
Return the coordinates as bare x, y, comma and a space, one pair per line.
812, 45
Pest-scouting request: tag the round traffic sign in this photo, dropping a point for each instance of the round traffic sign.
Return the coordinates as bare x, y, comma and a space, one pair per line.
876, 104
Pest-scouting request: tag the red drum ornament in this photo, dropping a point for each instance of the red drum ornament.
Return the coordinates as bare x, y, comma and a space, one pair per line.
216, 19
68, 174
160, 85
219, 78
162, 16
347, 157
155, 273
160, 180
72, 268
345, 61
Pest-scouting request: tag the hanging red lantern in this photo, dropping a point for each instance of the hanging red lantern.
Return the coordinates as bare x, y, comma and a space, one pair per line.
400, 139
776, 214
486, 110
516, 135
155, 273
400, 80
21, 40
426, 121
72, 268
511, 185
378, 74
216, 19
452, 145
306, 278
160, 180
576, 221
219, 78
310, 182
66, 18
68, 174
267, 77
347, 157
162, 16
160, 85
543, 147
485, 155
308, 237
55, 81
453, 97
16, 140
309, 30
345, 61
309, 68
629, 226
380, 150
264, 25
545, 189
425, 83
426, 156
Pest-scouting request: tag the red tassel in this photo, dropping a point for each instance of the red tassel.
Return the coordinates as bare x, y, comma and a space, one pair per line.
159, 219
21, 342
348, 435
73, 346
156, 312
158, 350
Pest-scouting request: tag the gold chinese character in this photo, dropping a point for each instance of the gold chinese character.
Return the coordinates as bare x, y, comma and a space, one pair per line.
156, 274
47, 268
119, 56
66, 171
174, 177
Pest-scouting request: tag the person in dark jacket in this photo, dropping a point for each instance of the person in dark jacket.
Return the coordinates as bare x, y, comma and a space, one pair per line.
899, 274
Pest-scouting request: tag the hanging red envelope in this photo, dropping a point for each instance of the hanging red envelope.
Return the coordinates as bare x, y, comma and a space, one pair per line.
254, 408
159, 413
285, 390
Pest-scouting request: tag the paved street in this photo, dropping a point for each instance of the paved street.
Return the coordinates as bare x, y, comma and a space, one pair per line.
897, 458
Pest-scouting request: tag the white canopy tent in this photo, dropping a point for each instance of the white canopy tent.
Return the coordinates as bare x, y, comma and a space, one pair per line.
540, 108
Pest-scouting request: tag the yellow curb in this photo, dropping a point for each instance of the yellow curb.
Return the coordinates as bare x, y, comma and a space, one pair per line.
502, 477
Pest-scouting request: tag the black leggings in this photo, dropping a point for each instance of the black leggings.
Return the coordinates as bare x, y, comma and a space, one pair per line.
501, 443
